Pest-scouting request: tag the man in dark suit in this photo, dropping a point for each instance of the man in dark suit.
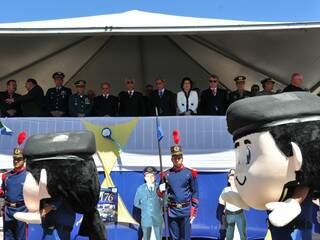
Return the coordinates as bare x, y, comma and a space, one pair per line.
131, 102
7, 109
163, 99
32, 103
213, 101
105, 104
57, 98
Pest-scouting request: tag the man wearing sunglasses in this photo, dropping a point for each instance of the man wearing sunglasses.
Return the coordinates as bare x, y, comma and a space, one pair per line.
79, 103
131, 102
213, 100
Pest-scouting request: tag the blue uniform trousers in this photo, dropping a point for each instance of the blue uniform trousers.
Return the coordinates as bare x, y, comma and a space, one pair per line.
14, 230
179, 228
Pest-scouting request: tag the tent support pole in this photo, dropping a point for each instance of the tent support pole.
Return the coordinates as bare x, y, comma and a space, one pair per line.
229, 55
193, 60
315, 87
89, 60
44, 58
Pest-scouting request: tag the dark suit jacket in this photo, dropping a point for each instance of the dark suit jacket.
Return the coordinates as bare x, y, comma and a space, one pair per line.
213, 105
32, 104
166, 104
105, 106
4, 107
131, 106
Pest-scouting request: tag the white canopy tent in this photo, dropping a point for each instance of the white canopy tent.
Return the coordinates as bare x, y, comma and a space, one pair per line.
147, 45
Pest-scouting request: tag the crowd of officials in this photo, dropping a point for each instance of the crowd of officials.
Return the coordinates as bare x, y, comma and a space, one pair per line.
60, 102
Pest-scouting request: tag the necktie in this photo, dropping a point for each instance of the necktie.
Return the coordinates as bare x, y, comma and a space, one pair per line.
214, 92
160, 94
130, 94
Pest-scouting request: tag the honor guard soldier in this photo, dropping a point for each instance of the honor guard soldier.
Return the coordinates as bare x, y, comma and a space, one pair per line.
181, 186
12, 191
57, 98
150, 204
240, 93
79, 103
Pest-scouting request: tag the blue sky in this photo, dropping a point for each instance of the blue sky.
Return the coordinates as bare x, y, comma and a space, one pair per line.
260, 10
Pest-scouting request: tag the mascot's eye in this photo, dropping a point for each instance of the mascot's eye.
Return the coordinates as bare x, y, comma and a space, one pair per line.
248, 155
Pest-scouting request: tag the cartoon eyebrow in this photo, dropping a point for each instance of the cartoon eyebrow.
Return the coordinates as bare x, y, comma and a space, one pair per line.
237, 144
246, 141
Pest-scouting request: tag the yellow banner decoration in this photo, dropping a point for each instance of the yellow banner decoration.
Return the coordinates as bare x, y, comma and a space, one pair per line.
108, 153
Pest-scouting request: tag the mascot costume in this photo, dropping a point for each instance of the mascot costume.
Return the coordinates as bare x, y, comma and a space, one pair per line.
277, 146
62, 180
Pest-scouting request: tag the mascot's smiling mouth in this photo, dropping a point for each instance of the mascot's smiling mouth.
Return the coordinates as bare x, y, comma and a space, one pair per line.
244, 181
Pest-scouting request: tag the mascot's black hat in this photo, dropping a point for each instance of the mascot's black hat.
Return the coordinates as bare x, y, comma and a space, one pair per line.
254, 114
72, 174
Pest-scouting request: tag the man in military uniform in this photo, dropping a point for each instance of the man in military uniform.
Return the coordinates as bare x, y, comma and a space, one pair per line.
150, 204
57, 98
79, 103
182, 195
267, 85
240, 93
12, 191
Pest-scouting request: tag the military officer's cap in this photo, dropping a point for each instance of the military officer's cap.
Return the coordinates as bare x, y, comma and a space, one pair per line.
264, 81
17, 153
176, 150
251, 115
80, 83
58, 75
150, 169
240, 79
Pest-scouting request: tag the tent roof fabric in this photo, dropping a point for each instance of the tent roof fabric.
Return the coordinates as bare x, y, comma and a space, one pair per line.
141, 22
147, 45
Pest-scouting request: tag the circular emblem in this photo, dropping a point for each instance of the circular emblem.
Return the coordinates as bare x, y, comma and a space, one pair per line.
106, 132
176, 148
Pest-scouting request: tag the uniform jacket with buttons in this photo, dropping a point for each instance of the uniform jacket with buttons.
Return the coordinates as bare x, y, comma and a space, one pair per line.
58, 99
150, 204
79, 104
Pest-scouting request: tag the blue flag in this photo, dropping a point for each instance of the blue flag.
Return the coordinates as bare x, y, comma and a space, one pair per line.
159, 132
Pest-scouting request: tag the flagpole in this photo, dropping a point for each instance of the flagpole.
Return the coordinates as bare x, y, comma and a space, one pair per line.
161, 170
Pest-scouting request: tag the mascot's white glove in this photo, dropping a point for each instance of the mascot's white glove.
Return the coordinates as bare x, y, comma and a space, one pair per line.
162, 187
283, 212
235, 199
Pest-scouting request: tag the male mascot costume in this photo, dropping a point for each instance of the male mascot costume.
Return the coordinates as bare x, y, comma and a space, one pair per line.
277, 145
62, 180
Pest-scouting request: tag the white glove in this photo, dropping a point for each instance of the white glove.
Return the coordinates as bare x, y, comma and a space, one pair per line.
283, 212
162, 187
235, 199
28, 217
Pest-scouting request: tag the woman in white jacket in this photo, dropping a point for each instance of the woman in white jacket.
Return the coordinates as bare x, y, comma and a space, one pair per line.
187, 99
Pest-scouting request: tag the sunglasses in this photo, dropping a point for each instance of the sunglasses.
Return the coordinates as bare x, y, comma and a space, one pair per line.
80, 86
129, 82
213, 81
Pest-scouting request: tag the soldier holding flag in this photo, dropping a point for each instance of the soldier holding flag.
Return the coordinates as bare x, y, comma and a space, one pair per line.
182, 194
